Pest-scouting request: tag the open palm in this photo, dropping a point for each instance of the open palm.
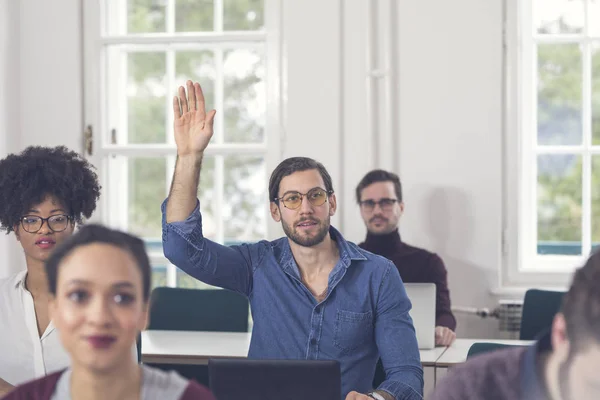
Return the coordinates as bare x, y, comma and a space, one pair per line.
193, 127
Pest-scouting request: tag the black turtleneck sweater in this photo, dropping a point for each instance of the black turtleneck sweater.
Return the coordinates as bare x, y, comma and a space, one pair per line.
416, 266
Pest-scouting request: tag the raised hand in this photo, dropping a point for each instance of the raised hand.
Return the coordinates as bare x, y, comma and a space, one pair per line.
193, 127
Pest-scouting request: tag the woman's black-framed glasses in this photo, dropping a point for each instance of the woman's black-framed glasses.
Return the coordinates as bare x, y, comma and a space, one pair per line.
384, 204
56, 223
316, 197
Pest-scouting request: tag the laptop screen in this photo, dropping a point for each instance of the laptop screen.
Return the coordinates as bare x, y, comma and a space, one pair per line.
234, 379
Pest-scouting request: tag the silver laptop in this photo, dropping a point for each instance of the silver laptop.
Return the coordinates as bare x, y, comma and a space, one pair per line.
422, 296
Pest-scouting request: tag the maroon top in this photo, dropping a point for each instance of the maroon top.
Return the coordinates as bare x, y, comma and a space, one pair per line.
43, 389
416, 266
514, 373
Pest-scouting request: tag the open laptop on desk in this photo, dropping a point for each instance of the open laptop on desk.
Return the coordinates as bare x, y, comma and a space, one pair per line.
423, 297
234, 379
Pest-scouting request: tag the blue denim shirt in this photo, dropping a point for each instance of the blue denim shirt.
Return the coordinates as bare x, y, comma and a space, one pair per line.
363, 316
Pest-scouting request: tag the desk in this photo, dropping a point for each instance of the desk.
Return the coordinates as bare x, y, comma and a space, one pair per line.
457, 353
428, 361
182, 347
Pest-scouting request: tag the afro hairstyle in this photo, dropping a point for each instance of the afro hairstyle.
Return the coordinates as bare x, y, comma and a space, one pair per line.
26, 179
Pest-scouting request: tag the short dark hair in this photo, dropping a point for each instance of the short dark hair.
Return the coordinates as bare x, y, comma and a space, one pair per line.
379, 175
581, 304
94, 233
296, 164
27, 178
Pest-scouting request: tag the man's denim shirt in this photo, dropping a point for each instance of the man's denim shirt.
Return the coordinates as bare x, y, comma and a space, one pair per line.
364, 314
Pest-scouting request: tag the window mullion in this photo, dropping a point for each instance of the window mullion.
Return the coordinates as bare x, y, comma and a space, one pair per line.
219, 197
218, 15
171, 275
586, 115
170, 16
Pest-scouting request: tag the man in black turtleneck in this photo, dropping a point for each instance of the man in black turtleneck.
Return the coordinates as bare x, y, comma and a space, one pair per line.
379, 195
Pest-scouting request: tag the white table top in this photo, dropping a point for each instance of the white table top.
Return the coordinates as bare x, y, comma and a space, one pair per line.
183, 347
457, 352
430, 357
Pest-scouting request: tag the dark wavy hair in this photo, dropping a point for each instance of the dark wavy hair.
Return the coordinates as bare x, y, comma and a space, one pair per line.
27, 178
581, 305
379, 175
296, 164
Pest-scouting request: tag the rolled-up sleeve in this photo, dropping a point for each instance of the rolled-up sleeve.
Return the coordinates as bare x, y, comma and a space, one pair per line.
185, 246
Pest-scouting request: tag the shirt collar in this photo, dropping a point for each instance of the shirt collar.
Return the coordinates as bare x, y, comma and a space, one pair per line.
19, 280
532, 384
19, 283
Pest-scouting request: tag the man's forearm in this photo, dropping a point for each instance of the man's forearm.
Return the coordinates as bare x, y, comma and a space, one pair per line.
184, 188
5, 388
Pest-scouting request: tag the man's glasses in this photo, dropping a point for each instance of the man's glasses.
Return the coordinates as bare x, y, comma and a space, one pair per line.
384, 204
56, 223
293, 200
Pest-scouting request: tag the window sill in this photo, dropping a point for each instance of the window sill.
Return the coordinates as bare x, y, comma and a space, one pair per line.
518, 292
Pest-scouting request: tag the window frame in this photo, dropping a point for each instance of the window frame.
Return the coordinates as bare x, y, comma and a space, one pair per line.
521, 265
95, 39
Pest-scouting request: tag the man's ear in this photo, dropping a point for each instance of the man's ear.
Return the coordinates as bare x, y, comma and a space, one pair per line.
17, 233
332, 205
275, 212
145, 320
559, 336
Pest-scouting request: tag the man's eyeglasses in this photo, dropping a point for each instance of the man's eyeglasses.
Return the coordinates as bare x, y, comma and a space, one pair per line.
293, 200
56, 223
384, 204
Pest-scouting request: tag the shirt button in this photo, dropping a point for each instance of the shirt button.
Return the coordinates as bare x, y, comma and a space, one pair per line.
317, 310
313, 341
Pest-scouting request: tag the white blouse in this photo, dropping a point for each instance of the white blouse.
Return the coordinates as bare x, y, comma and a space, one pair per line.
23, 354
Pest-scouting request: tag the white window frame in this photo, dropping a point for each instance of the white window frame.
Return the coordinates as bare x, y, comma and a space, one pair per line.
522, 266
110, 209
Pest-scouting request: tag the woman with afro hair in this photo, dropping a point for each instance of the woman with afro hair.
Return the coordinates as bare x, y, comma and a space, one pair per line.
44, 193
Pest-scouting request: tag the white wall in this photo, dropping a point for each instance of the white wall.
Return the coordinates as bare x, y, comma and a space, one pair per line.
9, 110
450, 141
449, 114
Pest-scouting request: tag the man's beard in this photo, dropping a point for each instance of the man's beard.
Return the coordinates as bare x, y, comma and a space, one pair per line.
301, 240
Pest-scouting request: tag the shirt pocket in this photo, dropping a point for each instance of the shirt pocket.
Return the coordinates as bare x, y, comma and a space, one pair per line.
352, 330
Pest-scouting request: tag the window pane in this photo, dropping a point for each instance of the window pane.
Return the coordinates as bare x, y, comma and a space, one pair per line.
559, 94
194, 15
245, 208
145, 16
206, 195
595, 219
558, 16
559, 204
146, 97
244, 98
198, 66
159, 276
243, 15
596, 92
593, 18
147, 190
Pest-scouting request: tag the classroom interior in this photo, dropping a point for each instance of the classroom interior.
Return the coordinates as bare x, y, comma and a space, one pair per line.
446, 94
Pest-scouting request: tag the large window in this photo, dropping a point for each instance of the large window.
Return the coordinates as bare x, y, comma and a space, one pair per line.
137, 52
554, 127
